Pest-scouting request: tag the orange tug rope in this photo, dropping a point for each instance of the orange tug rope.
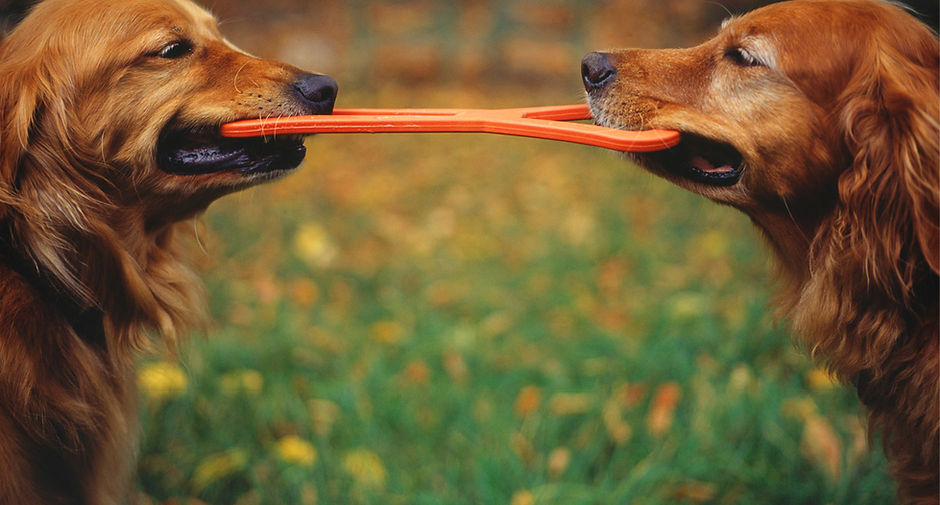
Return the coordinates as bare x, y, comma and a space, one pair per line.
548, 122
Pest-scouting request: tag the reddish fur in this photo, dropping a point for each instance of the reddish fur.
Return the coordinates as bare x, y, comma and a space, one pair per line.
81, 109
839, 134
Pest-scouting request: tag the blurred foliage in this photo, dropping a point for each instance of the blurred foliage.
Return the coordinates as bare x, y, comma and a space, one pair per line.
463, 319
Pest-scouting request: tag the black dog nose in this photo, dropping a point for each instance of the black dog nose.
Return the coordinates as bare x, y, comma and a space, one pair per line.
318, 91
596, 71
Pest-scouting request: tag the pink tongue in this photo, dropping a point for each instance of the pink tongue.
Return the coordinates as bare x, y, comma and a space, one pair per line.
706, 166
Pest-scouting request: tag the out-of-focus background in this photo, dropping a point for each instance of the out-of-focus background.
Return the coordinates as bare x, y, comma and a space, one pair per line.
471, 319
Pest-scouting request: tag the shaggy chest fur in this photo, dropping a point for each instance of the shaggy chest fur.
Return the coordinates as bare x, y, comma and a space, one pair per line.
66, 404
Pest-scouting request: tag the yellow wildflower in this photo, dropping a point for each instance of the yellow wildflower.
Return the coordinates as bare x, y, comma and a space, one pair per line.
161, 380
218, 467
366, 468
523, 497
820, 379
295, 450
313, 244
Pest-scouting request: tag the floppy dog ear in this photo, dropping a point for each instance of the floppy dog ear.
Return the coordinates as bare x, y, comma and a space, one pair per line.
35, 88
41, 189
890, 195
19, 102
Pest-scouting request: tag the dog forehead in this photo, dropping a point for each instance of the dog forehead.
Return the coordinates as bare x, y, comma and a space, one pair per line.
182, 17
199, 18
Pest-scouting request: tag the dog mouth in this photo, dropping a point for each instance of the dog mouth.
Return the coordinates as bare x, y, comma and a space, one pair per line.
695, 158
708, 161
202, 150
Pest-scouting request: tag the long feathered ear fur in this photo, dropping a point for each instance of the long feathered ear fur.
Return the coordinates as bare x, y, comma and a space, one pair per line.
890, 194
874, 265
47, 187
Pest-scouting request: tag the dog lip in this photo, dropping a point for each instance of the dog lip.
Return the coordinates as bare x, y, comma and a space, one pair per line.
200, 151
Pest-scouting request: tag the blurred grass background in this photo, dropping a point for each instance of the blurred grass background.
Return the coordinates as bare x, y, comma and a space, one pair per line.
470, 319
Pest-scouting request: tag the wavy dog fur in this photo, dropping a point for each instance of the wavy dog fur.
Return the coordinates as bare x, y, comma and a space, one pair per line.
819, 119
91, 266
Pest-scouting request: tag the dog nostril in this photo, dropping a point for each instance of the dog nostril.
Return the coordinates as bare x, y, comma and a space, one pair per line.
319, 91
597, 71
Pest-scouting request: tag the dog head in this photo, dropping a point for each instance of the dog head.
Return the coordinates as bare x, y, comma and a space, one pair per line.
766, 107
121, 101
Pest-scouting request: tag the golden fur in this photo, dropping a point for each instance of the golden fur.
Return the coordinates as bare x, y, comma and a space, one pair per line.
819, 119
90, 217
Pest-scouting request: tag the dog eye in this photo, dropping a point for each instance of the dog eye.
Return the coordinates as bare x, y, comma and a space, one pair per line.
742, 57
175, 50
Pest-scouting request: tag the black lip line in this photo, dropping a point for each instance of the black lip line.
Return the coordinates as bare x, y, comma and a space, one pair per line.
235, 154
715, 178
676, 161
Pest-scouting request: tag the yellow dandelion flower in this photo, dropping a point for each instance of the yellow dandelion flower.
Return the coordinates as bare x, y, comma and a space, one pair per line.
161, 380
523, 497
252, 381
820, 380
295, 450
366, 468
218, 467
313, 244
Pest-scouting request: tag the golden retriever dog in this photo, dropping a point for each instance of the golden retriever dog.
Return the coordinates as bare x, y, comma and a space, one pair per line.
109, 112
819, 120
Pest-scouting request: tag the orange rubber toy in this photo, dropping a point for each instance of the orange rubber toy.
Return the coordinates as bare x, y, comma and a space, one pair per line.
549, 122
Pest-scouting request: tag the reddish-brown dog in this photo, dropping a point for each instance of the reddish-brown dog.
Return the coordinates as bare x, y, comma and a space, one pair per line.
108, 117
819, 119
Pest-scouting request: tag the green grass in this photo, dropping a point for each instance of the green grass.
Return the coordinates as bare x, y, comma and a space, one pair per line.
470, 319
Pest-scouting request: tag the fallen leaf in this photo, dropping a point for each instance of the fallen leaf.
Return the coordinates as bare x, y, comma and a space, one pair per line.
662, 408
